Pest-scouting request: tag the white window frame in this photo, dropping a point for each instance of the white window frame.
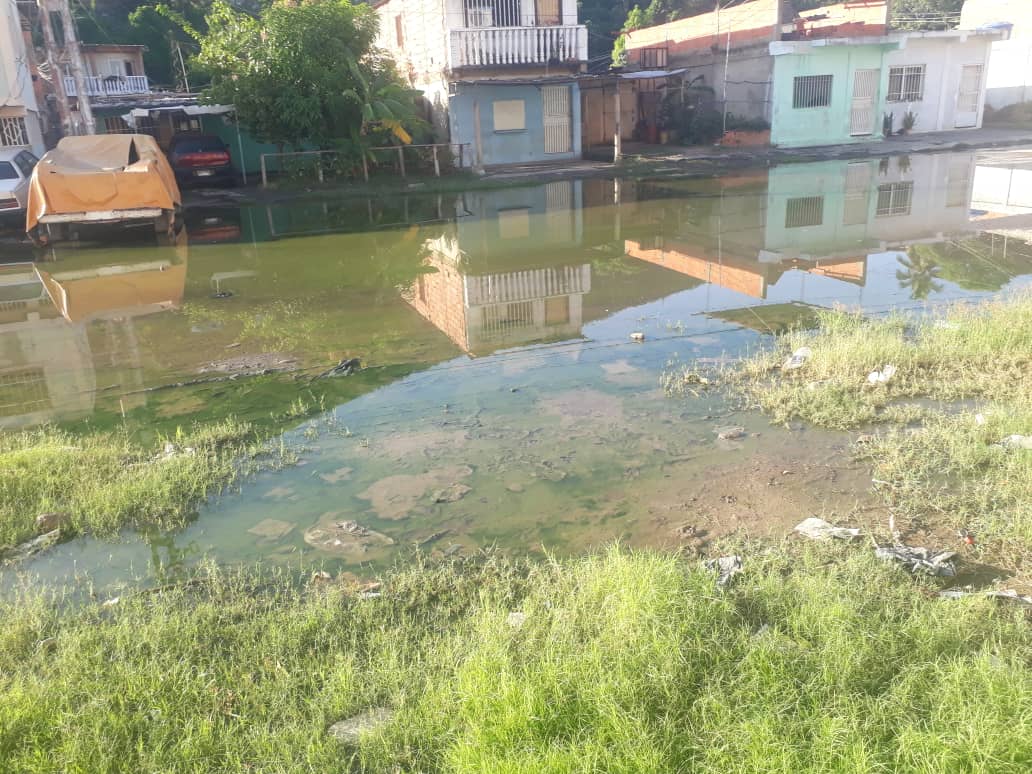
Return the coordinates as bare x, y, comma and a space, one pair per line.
509, 115
906, 83
812, 91
899, 199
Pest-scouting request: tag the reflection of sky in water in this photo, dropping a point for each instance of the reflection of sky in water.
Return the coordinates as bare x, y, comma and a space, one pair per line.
519, 340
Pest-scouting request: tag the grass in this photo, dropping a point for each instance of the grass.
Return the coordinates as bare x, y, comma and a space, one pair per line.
104, 481
978, 351
823, 660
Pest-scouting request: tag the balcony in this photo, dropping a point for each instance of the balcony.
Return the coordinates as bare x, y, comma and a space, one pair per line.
109, 86
506, 46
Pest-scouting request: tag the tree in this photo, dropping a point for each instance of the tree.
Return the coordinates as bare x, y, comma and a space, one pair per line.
919, 273
925, 14
303, 72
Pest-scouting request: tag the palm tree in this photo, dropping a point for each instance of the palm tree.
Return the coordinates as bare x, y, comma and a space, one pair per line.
920, 272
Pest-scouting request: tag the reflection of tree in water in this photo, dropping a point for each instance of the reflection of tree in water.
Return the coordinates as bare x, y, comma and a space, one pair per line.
174, 560
986, 262
920, 272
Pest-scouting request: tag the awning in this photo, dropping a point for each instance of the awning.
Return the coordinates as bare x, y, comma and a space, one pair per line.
190, 110
648, 75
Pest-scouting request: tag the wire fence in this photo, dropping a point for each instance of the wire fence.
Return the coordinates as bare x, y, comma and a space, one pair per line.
437, 159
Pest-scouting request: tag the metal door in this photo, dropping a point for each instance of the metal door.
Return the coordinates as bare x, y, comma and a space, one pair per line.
862, 114
557, 121
969, 96
856, 208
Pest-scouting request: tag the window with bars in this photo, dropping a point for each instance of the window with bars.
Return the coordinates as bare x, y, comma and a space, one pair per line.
13, 131
810, 91
23, 392
804, 211
906, 84
895, 199
654, 57
115, 125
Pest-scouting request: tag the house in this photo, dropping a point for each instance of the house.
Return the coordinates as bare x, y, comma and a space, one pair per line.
499, 76
1009, 79
834, 91
20, 123
111, 70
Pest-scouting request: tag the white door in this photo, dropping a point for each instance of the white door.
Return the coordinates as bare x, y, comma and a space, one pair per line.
856, 209
969, 96
557, 119
865, 89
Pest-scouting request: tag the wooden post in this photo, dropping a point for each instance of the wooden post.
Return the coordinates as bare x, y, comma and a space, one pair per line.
437, 164
54, 60
401, 159
617, 142
265, 176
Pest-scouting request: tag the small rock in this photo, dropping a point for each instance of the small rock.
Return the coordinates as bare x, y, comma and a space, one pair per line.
351, 730
452, 493
731, 433
111, 602
48, 522
515, 488
798, 359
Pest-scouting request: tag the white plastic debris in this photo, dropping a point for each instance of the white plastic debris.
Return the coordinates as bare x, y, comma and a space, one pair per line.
819, 529
919, 559
1017, 442
882, 376
726, 568
638, 336
799, 357
979, 419
516, 619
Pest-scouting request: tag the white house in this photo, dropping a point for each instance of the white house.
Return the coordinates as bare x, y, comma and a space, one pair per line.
1010, 69
499, 75
939, 77
19, 113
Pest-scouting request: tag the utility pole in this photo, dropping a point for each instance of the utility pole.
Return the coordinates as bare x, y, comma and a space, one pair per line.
56, 72
75, 64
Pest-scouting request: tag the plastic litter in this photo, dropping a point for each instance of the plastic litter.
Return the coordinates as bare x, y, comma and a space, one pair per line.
1008, 595
726, 568
638, 336
1017, 442
799, 357
882, 376
819, 529
516, 619
919, 559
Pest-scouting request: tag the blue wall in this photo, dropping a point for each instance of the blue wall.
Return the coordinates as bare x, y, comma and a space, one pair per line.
513, 147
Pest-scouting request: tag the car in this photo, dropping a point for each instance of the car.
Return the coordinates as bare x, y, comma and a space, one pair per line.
200, 159
16, 165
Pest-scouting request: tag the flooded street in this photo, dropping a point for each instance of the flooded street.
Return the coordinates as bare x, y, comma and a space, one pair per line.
502, 399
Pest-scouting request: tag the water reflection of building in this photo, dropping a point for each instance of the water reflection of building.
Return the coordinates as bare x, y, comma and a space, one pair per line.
1001, 201
64, 322
824, 219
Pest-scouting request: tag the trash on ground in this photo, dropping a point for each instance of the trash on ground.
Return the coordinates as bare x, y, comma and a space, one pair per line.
345, 367
638, 336
731, 433
516, 619
882, 376
920, 559
349, 731
1017, 442
726, 568
1008, 595
819, 529
344, 537
799, 357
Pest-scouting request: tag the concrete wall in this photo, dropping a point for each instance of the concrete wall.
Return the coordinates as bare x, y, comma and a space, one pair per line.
509, 147
1009, 79
803, 127
943, 58
17, 97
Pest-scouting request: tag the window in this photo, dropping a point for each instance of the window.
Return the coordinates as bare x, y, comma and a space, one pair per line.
653, 57
804, 211
399, 31
906, 84
509, 115
894, 199
26, 163
7, 171
812, 91
115, 125
13, 131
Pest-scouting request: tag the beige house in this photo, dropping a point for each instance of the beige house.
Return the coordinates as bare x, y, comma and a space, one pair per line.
111, 70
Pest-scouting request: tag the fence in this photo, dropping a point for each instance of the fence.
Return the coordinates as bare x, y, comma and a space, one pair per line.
439, 156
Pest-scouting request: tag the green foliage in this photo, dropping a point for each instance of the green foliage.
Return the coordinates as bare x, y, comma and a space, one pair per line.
304, 73
826, 660
925, 14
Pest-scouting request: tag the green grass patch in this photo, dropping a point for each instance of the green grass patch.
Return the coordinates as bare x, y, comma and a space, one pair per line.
977, 351
826, 660
104, 481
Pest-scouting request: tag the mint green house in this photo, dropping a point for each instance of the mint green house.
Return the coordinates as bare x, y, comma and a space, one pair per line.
828, 92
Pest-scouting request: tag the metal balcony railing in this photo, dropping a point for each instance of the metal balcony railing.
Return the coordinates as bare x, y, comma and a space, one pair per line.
109, 85
500, 46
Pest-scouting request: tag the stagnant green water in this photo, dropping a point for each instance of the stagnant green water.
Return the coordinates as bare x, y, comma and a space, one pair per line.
502, 400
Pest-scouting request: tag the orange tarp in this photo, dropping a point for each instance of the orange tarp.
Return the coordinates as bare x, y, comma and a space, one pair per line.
99, 173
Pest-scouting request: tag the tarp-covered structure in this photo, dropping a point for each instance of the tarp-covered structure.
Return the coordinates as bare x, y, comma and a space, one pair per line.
101, 173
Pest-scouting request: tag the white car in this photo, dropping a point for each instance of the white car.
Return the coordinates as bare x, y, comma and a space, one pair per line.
16, 165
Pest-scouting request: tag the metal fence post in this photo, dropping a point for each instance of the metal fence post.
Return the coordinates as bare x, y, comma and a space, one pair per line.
318, 161
401, 159
437, 165
462, 147
365, 167
265, 177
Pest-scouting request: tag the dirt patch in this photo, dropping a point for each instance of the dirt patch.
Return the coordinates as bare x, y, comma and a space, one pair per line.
576, 406
252, 365
429, 443
393, 497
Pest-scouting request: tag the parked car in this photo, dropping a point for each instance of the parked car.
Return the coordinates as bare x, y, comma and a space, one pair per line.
200, 159
16, 165
121, 179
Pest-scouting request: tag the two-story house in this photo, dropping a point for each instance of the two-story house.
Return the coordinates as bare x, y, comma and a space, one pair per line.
19, 111
500, 76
